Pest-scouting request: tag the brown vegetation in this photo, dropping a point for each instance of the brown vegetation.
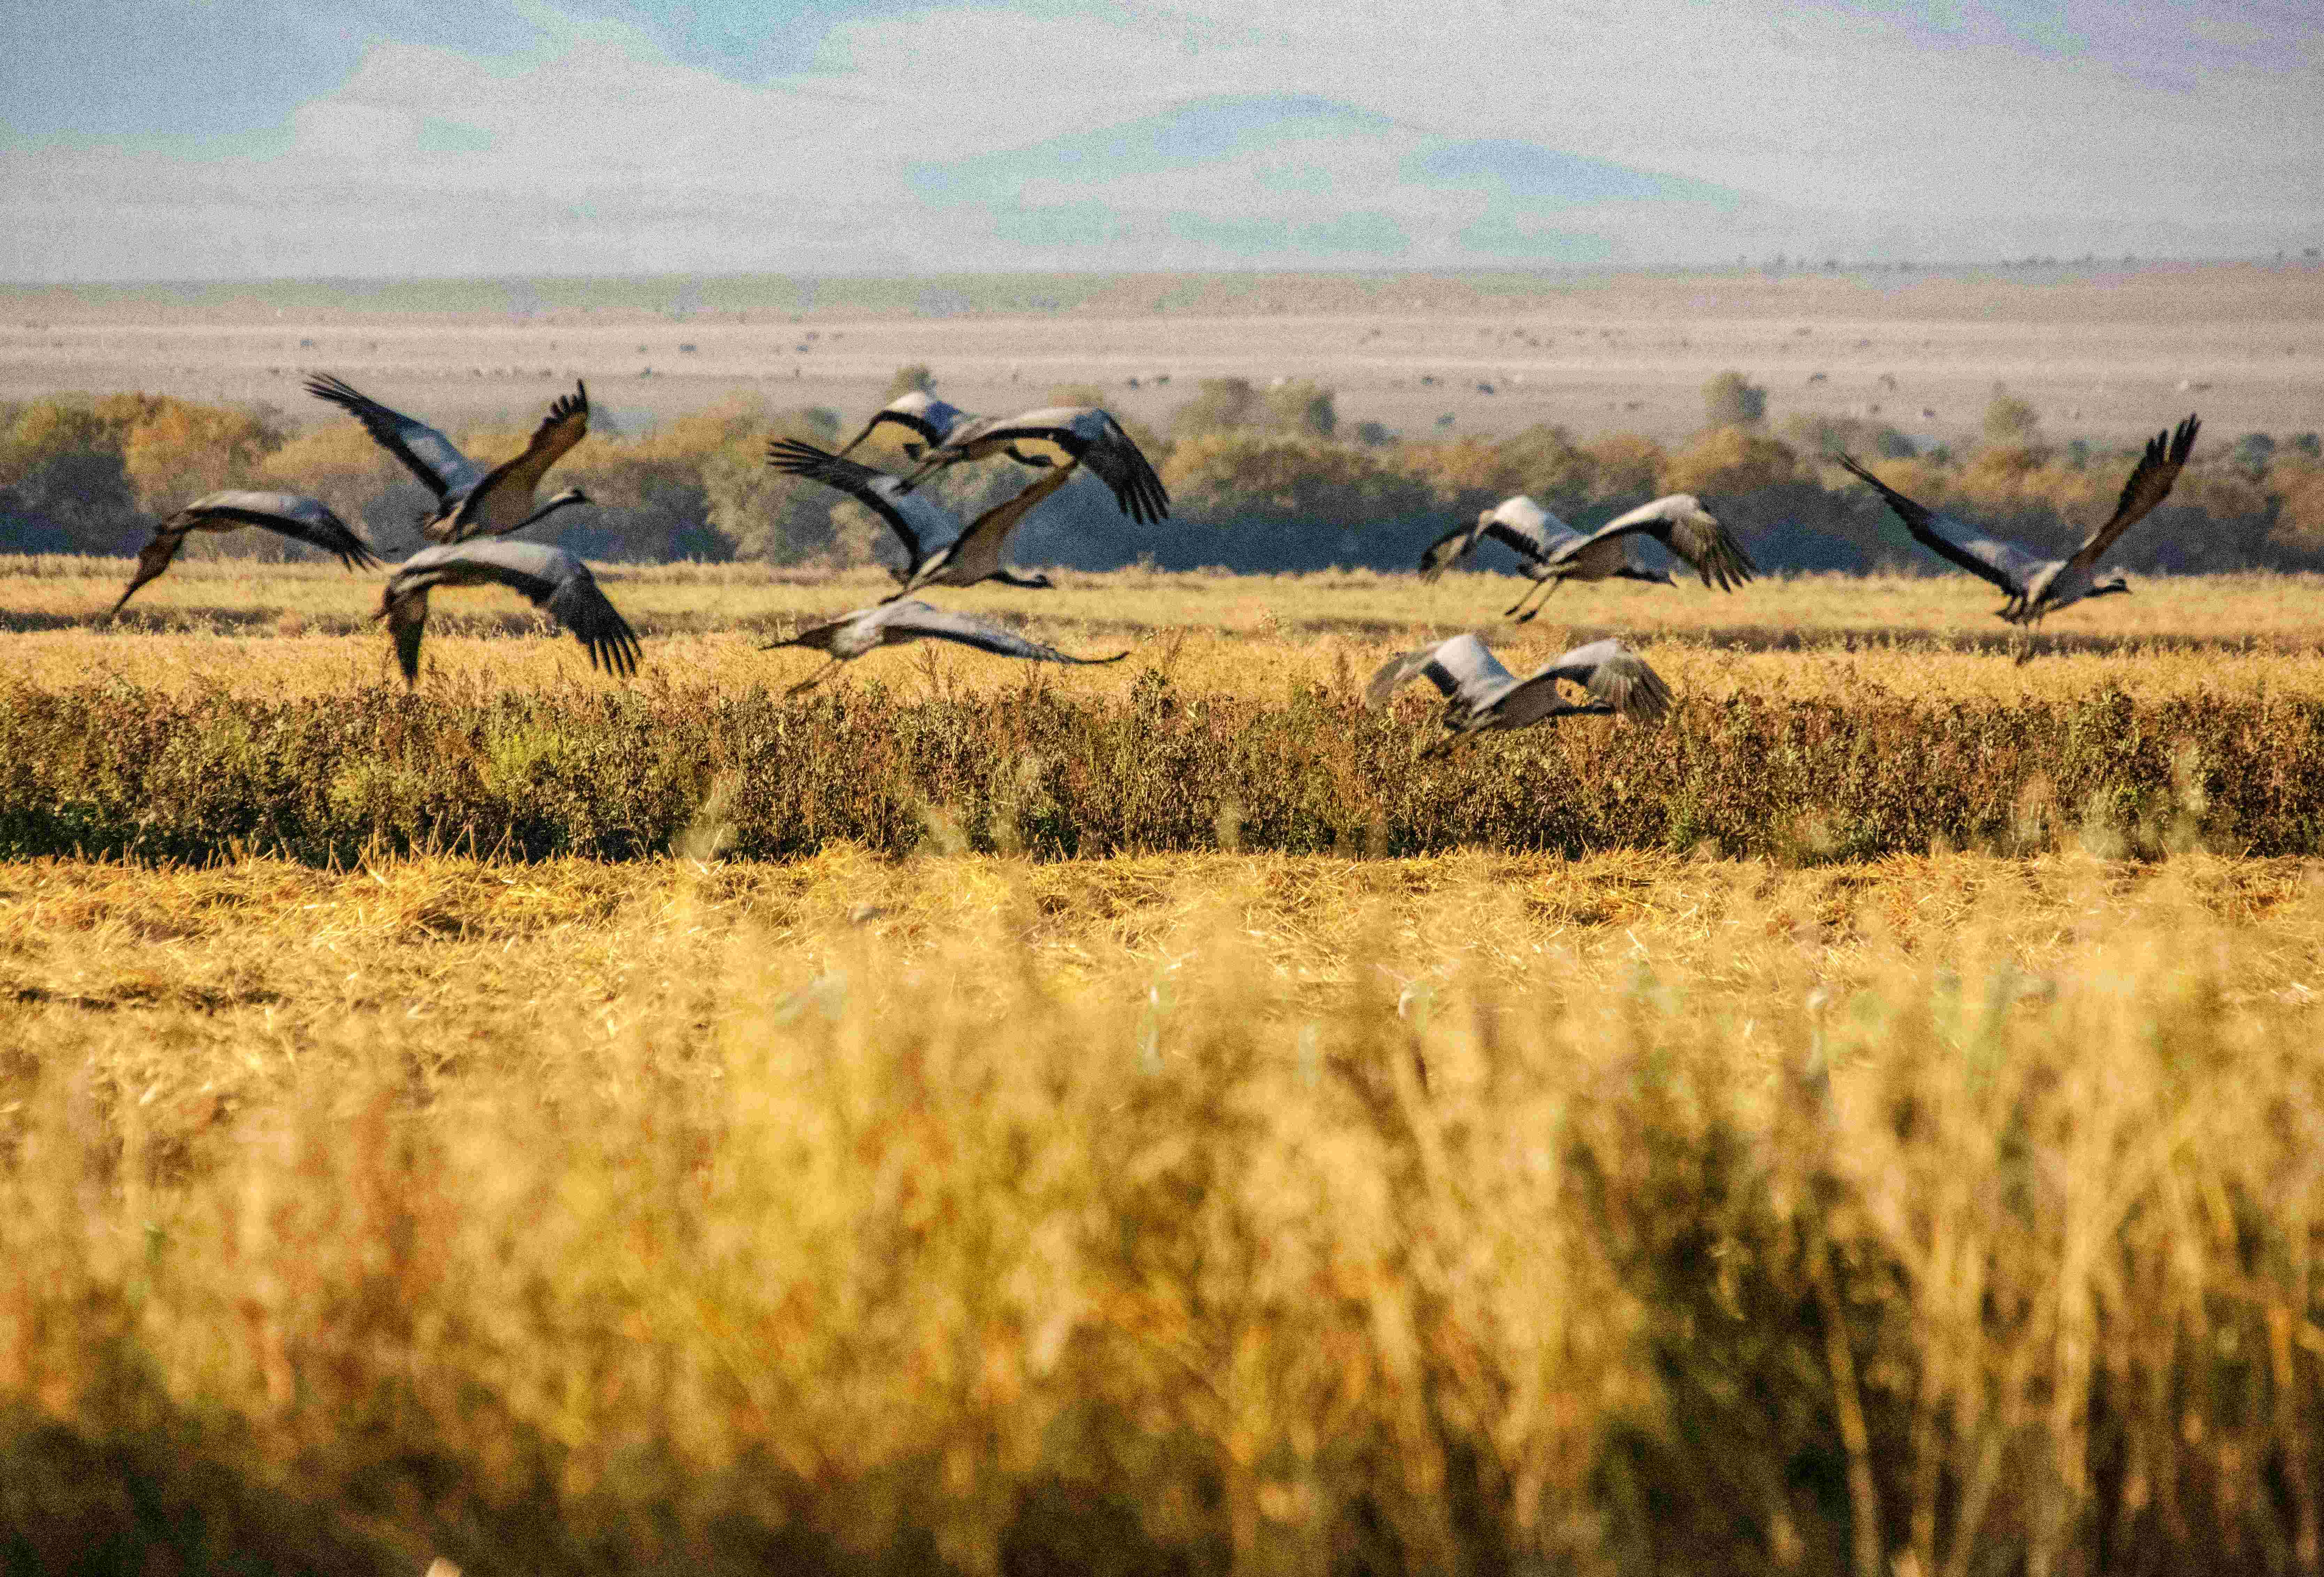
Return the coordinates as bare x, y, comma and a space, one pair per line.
113, 768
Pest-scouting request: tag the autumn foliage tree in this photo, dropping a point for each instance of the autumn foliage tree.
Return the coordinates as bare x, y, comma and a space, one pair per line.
1261, 478
912, 377
2011, 421
1302, 406
97, 471
1218, 405
1728, 461
1731, 399
174, 451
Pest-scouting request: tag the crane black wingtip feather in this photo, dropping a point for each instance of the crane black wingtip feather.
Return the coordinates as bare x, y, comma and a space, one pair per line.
330, 386
795, 457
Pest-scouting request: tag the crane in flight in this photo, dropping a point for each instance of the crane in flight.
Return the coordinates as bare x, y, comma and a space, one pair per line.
965, 555
1081, 432
1480, 695
2038, 586
288, 514
931, 421
549, 578
891, 624
1553, 552
470, 501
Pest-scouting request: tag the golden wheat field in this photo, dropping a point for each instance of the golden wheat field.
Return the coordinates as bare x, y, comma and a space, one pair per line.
1867, 1125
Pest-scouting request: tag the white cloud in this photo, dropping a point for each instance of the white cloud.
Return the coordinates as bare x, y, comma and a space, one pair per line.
1844, 124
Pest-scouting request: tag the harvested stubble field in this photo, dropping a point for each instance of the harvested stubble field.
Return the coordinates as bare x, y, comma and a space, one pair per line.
1561, 1198
1176, 1214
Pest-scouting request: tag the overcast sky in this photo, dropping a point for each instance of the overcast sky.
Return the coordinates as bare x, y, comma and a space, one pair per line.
152, 139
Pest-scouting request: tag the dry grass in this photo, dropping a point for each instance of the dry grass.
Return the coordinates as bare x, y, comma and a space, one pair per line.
2268, 610
228, 627
1187, 1213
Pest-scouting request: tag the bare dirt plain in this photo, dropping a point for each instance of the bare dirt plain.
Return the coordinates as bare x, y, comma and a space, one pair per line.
2106, 354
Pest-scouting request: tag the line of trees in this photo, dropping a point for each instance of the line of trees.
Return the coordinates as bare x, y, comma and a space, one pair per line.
1261, 478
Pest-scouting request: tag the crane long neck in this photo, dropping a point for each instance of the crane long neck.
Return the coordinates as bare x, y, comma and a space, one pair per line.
544, 511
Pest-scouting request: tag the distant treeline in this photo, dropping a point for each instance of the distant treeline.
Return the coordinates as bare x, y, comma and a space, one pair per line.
1261, 479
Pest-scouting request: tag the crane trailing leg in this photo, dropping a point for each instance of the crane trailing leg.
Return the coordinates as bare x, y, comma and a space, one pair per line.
1552, 581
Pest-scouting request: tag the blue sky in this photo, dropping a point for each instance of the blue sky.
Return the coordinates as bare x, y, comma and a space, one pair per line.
142, 139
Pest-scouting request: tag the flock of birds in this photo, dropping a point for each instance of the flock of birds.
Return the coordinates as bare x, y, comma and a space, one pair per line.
478, 510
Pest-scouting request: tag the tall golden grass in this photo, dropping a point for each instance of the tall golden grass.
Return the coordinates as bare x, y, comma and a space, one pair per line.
1205, 1213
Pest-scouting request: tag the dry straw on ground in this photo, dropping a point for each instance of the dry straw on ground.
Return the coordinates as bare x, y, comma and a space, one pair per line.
1196, 1213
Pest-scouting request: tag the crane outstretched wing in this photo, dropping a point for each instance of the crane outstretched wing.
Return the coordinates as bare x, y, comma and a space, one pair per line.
288, 514
1535, 532
1090, 434
503, 499
152, 559
1612, 673
914, 621
920, 413
1450, 548
581, 606
428, 454
549, 578
979, 547
1517, 523
407, 626
1116, 460
2004, 564
2149, 484
1692, 532
1462, 668
909, 619
877, 491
